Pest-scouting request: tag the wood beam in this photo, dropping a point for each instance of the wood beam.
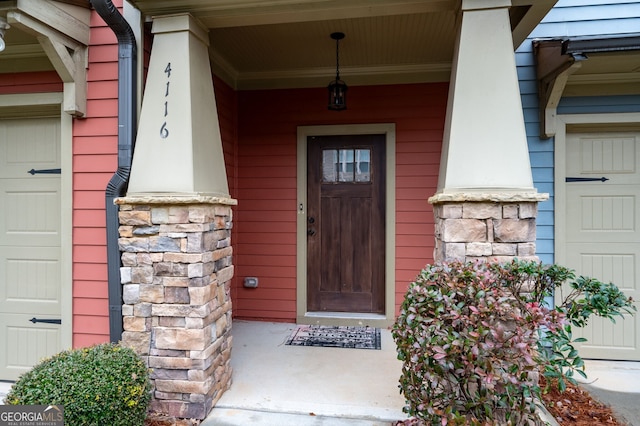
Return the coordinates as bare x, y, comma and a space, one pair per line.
64, 39
48, 13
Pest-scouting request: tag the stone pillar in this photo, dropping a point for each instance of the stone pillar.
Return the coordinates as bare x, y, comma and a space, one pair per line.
486, 205
176, 276
486, 227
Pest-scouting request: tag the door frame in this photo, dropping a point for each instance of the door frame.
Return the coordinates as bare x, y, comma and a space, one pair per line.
578, 123
335, 318
24, 106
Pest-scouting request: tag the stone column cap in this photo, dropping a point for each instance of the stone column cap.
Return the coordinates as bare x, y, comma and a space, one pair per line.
176, 199
497, 197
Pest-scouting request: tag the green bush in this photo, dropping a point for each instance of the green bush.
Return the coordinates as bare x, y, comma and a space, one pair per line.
100, 385
467, 348
470, 335
575, 303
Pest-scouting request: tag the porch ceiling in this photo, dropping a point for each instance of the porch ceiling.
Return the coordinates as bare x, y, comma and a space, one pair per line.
259, 44
285, 43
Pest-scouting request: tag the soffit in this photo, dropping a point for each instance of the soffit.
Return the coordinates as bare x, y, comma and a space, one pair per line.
613, 73
257, 44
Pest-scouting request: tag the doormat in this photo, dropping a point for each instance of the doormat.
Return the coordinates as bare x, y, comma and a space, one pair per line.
335, 337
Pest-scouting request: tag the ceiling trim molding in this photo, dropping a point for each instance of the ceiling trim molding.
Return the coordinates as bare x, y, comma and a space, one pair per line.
354, 76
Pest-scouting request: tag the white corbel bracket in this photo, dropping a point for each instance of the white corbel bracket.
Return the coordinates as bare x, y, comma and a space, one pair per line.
64, 38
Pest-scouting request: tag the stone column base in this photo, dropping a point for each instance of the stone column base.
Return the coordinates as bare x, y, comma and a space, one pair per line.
176, 276
492, 227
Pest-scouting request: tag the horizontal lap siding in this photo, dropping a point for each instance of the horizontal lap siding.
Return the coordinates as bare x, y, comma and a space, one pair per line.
95, 141
30, 82
265, 220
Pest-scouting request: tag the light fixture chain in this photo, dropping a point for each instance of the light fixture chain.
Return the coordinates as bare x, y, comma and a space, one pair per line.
337, 59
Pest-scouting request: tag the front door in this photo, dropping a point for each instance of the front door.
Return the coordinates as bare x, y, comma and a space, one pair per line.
602, 239
345, 224
30, 243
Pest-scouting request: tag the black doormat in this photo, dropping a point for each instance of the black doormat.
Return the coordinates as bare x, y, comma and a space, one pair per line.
335, 337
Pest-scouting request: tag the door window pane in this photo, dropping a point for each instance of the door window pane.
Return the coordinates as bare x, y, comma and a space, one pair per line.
346, 165
329, 165
362, 165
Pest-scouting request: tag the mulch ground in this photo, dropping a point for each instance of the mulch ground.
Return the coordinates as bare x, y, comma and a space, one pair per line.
575, 407
156, 419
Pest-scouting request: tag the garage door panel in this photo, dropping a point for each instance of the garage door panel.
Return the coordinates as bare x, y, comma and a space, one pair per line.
607, 340
26, 343
602, 239
31, 212
605, 214
608, 262
609, 155
616, 263
28, 144
31, 277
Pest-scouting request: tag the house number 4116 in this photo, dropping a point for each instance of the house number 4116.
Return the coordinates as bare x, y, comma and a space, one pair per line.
164, 131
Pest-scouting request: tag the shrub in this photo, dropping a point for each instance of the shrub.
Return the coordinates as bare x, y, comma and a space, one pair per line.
470, 335
466, 348
533, 282
100, 385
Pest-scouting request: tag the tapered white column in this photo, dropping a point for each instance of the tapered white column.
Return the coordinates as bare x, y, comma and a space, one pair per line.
485, 145
486, 205
178, 148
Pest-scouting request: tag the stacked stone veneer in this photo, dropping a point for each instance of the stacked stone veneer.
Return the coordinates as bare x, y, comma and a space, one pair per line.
494, 228
176, 276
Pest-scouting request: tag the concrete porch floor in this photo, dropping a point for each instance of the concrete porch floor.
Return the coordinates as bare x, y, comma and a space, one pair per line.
279, 385
276, 384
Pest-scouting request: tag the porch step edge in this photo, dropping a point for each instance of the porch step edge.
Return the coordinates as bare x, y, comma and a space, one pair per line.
242, 417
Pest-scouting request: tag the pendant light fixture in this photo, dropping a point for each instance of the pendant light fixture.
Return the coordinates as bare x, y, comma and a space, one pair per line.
337, 88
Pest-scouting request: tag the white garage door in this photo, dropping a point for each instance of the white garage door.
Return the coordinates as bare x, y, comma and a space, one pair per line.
29, 243
603, 230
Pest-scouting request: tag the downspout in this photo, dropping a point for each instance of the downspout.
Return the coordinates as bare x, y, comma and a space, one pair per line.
117, 187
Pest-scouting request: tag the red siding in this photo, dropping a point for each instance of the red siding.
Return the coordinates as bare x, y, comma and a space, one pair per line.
94, 162
265, 221
31, 82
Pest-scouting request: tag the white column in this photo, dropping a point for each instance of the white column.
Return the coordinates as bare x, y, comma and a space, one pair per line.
178, 148
485, 145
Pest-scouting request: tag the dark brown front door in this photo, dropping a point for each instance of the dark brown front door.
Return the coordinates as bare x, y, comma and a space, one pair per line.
345, 223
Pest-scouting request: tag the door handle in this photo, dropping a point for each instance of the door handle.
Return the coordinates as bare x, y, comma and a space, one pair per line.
46, 320
585, 179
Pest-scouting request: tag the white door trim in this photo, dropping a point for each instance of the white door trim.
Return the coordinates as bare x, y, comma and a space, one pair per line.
304, 317
35, 102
